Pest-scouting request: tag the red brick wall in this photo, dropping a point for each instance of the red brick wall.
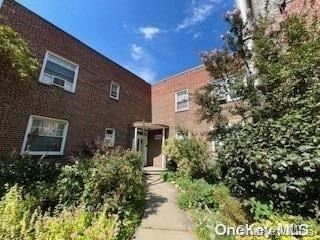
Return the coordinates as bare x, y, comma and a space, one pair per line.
163, 101
89, 110
308, 7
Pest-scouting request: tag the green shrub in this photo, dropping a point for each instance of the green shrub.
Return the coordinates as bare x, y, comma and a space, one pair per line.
71, 183
101, 198
76, 224
260, 210
232, 210
36, 176
206, 220
229, 211
169, 176
26, 172
122, 174
14, 215
183, 182
114, 179
192, 155
278, 161
209, 205
115, 175
19, 221
194, 193
276, 220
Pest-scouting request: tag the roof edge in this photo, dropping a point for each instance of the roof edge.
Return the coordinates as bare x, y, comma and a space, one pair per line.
74, 38
178, 74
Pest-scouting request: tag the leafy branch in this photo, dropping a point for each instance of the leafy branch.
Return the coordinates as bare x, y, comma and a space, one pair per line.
15, 54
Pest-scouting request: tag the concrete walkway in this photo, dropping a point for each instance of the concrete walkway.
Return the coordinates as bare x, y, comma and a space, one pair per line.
163, 220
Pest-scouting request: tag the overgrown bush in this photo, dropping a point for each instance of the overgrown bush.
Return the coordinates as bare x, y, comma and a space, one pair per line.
14, 215
191, 154
19, 221
278, 160
229, 211
276, 220
196, 194
97, 198
209, 205
169, 176
260, 210
36, 176
115, 175
90, 148
114, 178
232, 210
77, 223
206, 221
27, 172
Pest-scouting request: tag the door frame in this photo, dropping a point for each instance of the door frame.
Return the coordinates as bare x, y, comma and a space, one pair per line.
144, 137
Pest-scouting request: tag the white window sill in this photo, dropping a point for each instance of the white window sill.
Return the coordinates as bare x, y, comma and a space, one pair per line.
33, 153
57, 86
115, 98
182, 110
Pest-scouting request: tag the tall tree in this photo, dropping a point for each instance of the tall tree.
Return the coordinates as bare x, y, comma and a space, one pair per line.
284, 63
15, 54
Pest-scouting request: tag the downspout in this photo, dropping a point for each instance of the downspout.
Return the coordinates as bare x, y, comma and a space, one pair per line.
243, 6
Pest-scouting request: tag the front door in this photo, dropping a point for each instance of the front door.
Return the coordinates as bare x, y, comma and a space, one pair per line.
142, 141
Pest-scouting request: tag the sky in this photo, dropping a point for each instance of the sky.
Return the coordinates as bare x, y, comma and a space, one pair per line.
152, 38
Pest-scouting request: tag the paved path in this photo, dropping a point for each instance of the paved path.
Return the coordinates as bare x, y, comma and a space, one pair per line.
163, 220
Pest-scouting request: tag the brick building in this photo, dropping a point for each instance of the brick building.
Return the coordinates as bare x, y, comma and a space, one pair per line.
172, 101
79, 95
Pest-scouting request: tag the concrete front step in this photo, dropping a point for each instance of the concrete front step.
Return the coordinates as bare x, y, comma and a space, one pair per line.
153, 170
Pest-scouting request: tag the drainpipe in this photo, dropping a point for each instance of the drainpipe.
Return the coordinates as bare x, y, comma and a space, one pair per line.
162, 155
243, 6
134, 144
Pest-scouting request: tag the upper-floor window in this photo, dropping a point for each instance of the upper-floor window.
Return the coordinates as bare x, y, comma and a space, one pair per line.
115, 90
182, 135
182, 100
109, 137
59, 71
45, 136
224, 89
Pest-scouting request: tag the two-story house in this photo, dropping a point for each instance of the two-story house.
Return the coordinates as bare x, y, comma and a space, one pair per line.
80, 96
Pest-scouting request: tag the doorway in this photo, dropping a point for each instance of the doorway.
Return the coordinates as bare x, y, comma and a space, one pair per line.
148, 139
142, 146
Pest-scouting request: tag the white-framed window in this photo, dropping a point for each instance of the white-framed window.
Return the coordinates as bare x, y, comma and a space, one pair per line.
182, 100
45, 136
59, 71
181, 135
109, 137
224, 90
115, 90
